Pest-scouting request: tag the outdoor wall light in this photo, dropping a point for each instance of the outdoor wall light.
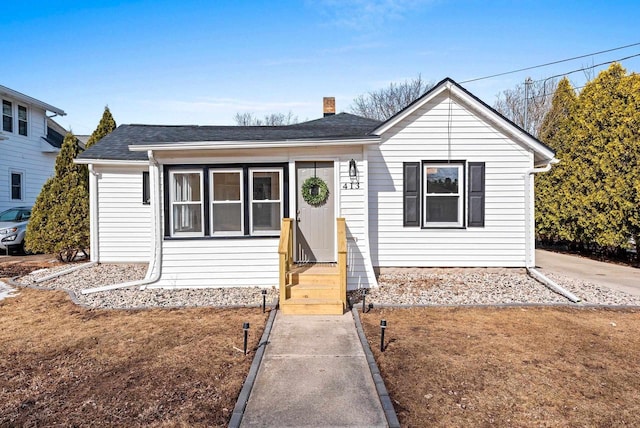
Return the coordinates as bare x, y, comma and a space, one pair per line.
353, 171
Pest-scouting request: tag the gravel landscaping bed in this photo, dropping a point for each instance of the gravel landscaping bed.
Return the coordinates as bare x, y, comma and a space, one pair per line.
133, 297
428, 286
481, 286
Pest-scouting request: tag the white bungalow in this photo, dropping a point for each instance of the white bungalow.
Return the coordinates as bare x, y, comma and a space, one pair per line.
445, 182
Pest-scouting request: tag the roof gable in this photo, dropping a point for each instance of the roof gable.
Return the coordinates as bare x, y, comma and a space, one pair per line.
543, 152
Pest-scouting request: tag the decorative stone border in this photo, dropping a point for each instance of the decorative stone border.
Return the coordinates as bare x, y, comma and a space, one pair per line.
245, 392
383, 394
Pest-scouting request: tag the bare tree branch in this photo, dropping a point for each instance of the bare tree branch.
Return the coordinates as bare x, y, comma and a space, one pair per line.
273, 119
385, 102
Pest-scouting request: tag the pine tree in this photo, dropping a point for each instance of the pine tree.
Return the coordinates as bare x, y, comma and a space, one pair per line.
106, 125
59, 221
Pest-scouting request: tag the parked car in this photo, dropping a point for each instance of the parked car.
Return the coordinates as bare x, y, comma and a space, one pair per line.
13, 226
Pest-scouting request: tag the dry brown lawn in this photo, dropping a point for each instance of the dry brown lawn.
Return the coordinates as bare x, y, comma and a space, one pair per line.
64, 365
550, 367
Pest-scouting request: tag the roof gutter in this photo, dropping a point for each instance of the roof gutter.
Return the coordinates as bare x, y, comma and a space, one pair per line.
155, 266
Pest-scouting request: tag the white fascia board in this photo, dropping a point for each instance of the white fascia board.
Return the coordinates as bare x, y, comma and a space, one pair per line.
26, 99
222, 145
110, 162
542, 151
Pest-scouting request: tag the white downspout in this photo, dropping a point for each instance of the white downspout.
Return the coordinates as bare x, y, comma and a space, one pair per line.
94, 242
530, 254
155, 265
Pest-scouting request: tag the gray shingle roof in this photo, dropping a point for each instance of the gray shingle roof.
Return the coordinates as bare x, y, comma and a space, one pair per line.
116, 144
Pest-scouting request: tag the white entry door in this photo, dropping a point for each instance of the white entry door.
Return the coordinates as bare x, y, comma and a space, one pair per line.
315, 224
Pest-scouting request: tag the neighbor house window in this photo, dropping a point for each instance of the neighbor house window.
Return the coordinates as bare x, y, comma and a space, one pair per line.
16, 186
7, 116
266, 201
227, 206
186, 202
22, 120
443, 198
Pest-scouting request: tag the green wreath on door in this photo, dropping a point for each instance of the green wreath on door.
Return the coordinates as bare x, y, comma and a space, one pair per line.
315, 191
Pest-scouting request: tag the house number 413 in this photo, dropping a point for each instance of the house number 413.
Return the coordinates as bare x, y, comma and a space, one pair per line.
351, 186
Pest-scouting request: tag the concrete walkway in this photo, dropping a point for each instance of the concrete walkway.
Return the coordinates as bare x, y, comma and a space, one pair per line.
314, 373
616, 277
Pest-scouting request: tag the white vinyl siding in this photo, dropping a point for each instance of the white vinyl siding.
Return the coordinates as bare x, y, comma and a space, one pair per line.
24, 154
425, 135
124, 222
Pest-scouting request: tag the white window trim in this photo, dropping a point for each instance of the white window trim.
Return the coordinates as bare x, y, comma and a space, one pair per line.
279, 200
22, 184
17, 120
172, 188
461, 195
212, 200
12, 116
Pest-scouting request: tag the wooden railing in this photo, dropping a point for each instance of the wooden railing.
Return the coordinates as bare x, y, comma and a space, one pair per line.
342, 259
285, 252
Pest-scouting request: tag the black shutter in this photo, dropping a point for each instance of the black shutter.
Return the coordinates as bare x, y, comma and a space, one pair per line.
411, 193
476, 194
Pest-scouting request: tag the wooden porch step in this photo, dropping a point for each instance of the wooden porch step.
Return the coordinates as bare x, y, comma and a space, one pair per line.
310, 278
313, 291
301, 306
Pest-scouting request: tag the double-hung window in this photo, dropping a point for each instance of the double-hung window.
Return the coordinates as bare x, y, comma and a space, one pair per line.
266, 201
226, 202
443, 195
22, 120
16, 186
7, 116
186, 198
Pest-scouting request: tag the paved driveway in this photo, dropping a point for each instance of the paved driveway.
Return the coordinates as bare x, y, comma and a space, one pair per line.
617, 277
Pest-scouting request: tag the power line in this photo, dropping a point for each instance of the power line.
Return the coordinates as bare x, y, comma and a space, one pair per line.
552, 63
587, 68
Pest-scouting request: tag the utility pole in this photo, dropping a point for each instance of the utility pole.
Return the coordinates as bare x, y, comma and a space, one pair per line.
527, 83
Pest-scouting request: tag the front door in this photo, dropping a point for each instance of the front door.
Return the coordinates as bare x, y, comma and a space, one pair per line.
315, 223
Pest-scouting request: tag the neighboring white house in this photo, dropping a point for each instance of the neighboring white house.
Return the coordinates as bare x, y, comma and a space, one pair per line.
445, 182
29, 143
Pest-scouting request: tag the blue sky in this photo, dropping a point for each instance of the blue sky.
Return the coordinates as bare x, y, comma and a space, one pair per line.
200, 62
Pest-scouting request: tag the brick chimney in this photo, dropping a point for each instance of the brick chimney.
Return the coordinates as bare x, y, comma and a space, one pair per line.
328, 106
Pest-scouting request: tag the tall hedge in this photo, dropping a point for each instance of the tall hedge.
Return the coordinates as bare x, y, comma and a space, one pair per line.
593, 199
